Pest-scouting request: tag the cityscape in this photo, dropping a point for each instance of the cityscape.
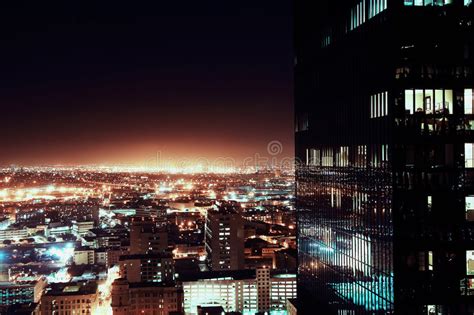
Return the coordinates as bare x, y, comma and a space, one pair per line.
80, 240
237, 158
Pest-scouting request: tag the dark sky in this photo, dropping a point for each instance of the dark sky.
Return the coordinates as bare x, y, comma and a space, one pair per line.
82, 82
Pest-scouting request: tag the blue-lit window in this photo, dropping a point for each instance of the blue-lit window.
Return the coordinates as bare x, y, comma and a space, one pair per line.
376, 6
357, 15
430, 2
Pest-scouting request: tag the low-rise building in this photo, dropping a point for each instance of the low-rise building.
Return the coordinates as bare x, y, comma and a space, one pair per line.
13, 234
69, 298
245, 291
84, 256
145, 298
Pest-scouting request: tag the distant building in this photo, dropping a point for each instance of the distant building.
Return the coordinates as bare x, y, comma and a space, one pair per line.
82, 228
245, 291
225, 239
20, 293
147, 268
145, 298
84, 256
146, 236
13, 234
66, 298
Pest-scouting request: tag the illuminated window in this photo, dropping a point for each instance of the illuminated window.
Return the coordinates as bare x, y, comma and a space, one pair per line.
379, 105
429, 101
429, 202
425, 260
468, 104
428, 2
409, 101
470, 262
468, 155
376, 6
469, 208
357, 15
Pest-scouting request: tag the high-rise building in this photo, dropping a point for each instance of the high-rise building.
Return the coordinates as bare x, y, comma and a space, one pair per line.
148, 268
146, 236
385, 139
225, 239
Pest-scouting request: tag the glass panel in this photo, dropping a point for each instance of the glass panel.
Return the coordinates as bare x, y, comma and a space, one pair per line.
409, 101
438, 100
429, 97
448, 101
470, 208
468, 156
468, 101
470, 262
419, 101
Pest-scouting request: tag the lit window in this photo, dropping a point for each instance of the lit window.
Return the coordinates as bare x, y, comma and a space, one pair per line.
429, 101
409, 101
469, 208
470, 262
468, 155
379, 105
429, 2
429, 202
468, 104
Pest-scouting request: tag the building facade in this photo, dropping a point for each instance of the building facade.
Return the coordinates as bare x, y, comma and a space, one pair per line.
225, 239
145, 298
384, 139
69, 298
245, 291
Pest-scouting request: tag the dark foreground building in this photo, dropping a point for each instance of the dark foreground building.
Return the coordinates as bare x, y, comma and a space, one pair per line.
385, 136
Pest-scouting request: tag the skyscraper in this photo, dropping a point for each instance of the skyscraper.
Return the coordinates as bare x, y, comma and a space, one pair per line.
225, 239
385, 138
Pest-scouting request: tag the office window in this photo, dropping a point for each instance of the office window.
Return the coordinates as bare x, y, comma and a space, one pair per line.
429, 202
357, 17
327, 158
468, 155
468, 104
429, 2
429, 101
469, 200
344, 156
379, 105
470, 262
409, 101
425, 261
376, 6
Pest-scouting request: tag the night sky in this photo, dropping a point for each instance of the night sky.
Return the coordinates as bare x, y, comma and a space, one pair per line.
83, 83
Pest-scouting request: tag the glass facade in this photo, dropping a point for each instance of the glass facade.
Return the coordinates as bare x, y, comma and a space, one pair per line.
385, 179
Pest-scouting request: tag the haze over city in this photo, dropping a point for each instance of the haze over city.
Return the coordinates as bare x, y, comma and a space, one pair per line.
95, 83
